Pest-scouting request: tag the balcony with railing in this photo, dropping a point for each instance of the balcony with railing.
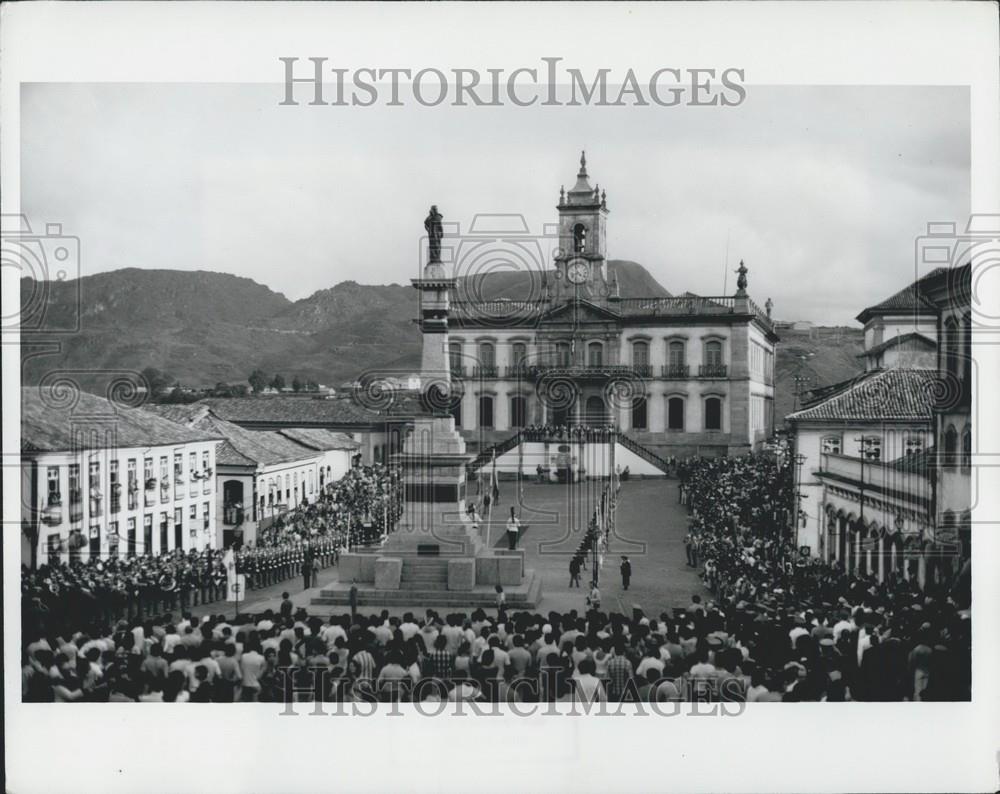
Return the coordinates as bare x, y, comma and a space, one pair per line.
498, 308
683, 305
711, 370
687, 305
876, 476
676, 371
485, 371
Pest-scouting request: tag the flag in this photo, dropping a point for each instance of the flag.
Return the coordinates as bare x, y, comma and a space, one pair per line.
495, 481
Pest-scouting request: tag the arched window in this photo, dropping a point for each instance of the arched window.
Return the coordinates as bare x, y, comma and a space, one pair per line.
640, 353
676, 357
579, 238
487, 355
518, 354
951, 343
712, 365
596, 411
563, 354
967, 355
518, 411
486, 411
595, 354
713, 413
455, 357
640, 420
967, 448
831, 445
713, 353
950, 446
675, 413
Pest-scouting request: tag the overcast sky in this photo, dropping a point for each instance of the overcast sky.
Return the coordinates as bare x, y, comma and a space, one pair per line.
820, 190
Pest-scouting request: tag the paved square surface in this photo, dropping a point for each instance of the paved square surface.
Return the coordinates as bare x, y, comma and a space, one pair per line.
650, 529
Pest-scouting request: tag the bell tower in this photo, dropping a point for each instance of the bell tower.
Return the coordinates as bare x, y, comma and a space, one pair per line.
582, 257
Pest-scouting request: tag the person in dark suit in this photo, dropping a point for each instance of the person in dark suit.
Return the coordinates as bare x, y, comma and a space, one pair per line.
626, 569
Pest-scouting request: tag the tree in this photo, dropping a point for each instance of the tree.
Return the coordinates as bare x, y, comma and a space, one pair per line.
257, 381
312, 386
222, 389
278, 382
157, 381
296, 384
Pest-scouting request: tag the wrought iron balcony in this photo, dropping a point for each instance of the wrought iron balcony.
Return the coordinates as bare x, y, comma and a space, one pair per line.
676, 371
487, 371
712, 371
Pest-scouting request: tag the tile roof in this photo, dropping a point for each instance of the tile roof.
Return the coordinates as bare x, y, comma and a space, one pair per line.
897, 340
890, 394
908, 299
319, 439
56, 420
293, 411
240, 447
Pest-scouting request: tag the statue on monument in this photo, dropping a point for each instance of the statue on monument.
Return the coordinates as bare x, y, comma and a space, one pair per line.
741, 281
435, 231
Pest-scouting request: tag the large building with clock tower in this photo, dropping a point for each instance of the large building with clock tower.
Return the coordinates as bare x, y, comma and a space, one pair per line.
676, 375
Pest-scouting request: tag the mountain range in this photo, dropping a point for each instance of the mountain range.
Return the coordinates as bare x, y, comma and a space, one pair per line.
205, 327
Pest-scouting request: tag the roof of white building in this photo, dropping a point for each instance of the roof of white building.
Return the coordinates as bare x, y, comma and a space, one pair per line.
909, 300
891, 394
240, 447
54, 420
319, 439
292, 411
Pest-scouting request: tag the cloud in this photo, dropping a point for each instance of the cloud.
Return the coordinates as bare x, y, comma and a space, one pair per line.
820, 190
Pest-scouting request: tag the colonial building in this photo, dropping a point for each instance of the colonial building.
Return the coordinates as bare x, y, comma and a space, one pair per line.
262, 474
102, 479
950, 290
680, 375
901, 331
883, 467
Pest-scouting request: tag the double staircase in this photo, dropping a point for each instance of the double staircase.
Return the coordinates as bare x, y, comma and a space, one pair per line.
646, 454
486, 455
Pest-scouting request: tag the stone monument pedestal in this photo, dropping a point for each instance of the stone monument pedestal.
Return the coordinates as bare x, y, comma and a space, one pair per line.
435, 557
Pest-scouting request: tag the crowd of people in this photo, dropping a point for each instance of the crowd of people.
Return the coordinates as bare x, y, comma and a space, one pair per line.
820, 631
777, 627
281, 656
359, 508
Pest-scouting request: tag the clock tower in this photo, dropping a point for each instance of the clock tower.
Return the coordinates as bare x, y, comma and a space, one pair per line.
581, 261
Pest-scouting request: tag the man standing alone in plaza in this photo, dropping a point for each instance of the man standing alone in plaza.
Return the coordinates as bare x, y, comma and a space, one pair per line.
626, 569
513, 530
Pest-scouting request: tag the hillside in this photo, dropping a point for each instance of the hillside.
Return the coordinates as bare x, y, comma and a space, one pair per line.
823, 355
203, 327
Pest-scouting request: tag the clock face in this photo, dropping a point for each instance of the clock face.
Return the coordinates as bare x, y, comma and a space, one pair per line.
577, 272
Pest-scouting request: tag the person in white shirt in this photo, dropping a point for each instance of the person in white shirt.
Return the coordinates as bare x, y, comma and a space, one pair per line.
408, 627
513, 530
252, 664
587, 687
